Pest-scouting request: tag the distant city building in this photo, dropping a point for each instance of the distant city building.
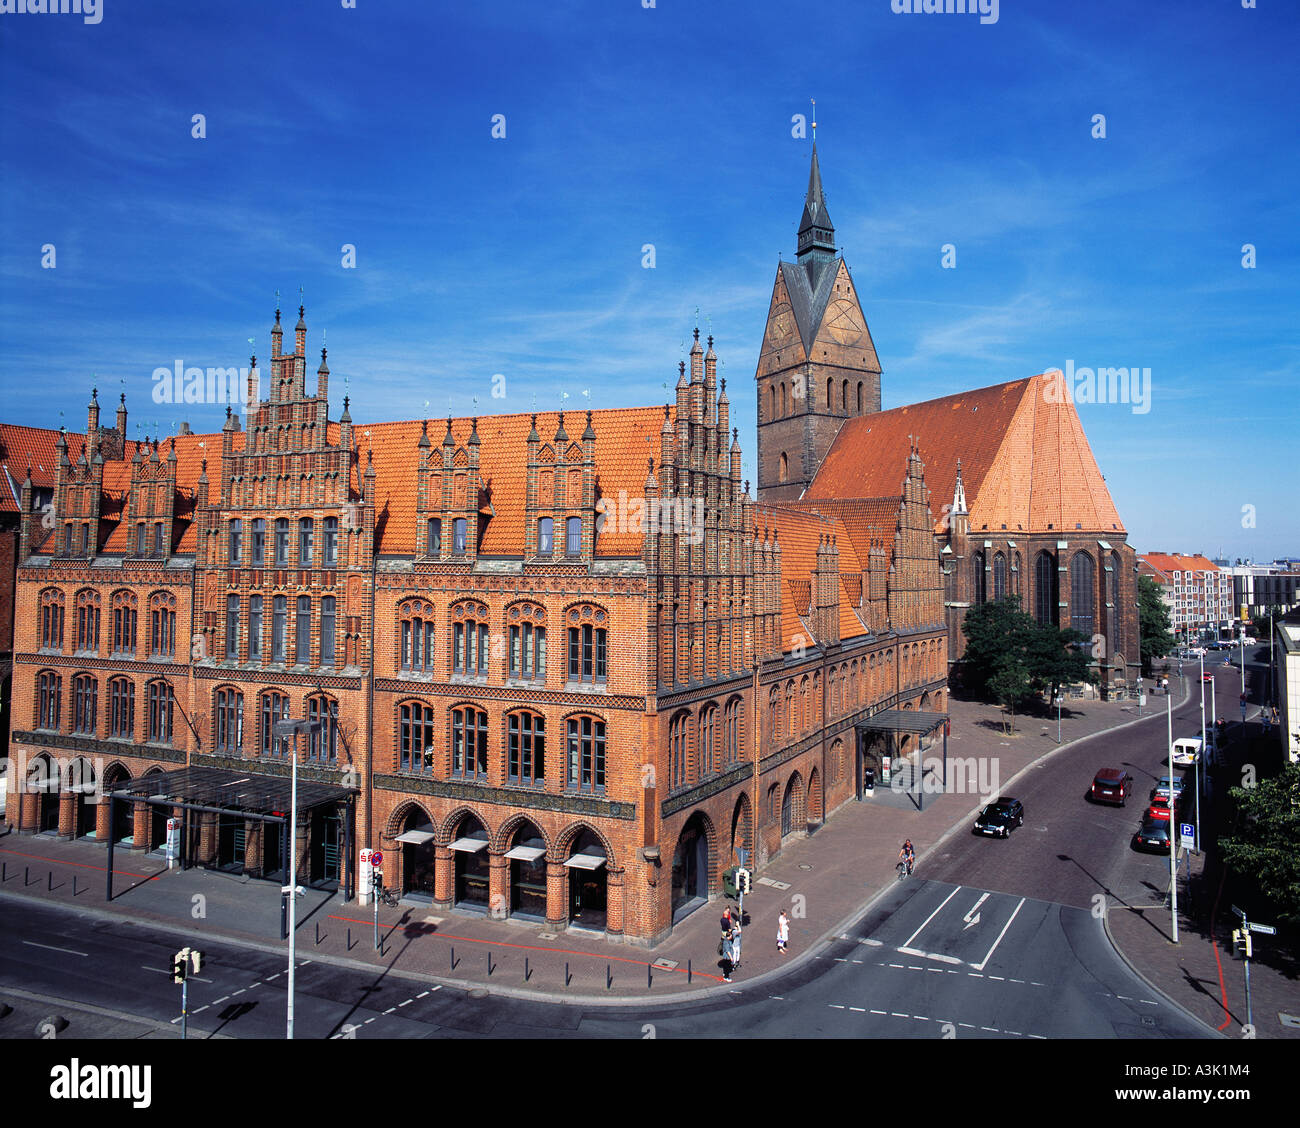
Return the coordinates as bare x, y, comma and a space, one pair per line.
1286, 655
1258, 587
1199, 594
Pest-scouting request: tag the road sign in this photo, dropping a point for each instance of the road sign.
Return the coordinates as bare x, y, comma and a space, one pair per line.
376, 859
1266, 929
1239, 912
1187, 836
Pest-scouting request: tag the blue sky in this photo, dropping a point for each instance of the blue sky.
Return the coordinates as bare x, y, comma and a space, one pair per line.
522, 256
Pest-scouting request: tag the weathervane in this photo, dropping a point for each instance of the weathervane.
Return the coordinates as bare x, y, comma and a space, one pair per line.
814, 119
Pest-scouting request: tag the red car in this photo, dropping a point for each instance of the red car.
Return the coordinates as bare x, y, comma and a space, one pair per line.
1207, 677
1159, 809
1111, 785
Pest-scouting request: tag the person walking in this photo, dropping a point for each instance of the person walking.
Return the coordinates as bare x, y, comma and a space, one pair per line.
782, 933
728, 950
727, 922
735, 943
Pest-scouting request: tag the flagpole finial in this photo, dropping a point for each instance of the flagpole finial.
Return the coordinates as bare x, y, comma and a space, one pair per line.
814, 119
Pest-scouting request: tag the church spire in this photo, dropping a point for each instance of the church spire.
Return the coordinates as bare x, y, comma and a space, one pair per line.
816, 232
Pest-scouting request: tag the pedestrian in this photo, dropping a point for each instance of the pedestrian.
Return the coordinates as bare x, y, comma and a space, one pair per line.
727, 949
735, 944
782, 932
726, 921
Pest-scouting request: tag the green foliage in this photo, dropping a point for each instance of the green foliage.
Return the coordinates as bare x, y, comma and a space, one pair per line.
1263, 848
1009, 656
1153, 623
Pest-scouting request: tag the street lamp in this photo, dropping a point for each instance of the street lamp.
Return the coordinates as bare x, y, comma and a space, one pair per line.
1173, 857
1057, 703
284, 730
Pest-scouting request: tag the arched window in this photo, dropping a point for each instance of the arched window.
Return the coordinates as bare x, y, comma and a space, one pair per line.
235, 542
275, 708
468, 742
527, 637
586, 754
707, 758
784, 411
469, 639
859, 397
545, 536
121, 709
771, 413
302, 632
229, 711
52, 603
977, 592
282, 542
526, 749
306, 541
1083, 593
587, 643
232, 627
323, 745
123, 604
783, 468
328, 625
792, 719
85, 704
844, 397
255, 628
573, 536
416, 634
161, 706
1116, 615
87, 620
830, 394
1045, 599
415, 734
49, 700
257, 555
774, 713
999, 576
162, 624
330, 543
678, 750
731, 733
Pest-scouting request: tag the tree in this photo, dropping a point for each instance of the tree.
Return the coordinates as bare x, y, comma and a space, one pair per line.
1009, 685
994, 631
1002, 641
1153, 623
1263, 849
1058, 657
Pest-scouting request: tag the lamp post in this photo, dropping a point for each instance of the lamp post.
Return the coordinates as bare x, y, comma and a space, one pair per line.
1173, 857
1058, 714
284, 730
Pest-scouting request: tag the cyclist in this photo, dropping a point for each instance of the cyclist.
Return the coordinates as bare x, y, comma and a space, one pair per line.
907, 855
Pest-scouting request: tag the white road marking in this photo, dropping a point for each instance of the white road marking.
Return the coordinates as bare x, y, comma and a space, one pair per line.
929, 955
52, 948
984, 963
972, 918
837, 1006
390, 1010
407, 1001
199, 1010
421, 994
240, 991
908, 942
220, 1000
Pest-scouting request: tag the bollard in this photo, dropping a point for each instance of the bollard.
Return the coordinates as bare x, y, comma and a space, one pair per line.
489, 963
567, 978
318, 933
453, 957
349, 938
688, 971
49, 882
74, 884
649, 978
4, 872
527, 973
609, 977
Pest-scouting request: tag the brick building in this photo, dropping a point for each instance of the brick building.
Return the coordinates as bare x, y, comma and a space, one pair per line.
1198, 593
1025, 508
554, 677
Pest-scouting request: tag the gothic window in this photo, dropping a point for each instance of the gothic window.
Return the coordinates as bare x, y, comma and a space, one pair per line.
999, 576
1116, 618
1045, 598
275, 708
458, 537
678, 750
306, 541
52, 602
526, 755
323, 746
230, 721
707, 758
587, 644
783, 468
254, 628
433, 533
87, 620
330, 543
49, 699
731, 751
527, 637
844, 397
586, 754
235, 542
121, 709
415, 750
469, 639
1083, 594
328, 621
161, 705
859, 397
468, 743
774, 713
977, 592
302, 640
124, 616
573, 536
162, 624
416, 635
545, 536
257, 557
232, 628
282, 542
279, 624
85, 704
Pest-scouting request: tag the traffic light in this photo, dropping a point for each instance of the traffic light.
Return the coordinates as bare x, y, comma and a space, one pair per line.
196, 961
179, 962
744, 881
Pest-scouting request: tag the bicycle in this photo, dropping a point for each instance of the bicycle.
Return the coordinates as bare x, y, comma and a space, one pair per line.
388, 897
904, 867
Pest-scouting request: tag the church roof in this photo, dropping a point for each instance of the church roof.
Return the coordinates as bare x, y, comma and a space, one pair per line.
1026, 462
809, 286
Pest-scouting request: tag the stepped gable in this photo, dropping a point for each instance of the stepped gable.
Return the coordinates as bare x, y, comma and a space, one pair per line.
1026, 462
34, 446
798, 529
625, 438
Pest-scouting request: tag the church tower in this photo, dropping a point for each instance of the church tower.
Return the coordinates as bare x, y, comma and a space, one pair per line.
817, 366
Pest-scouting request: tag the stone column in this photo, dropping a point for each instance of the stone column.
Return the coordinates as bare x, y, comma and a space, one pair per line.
253, 852
67, 814
28, 810
444, 874
207, 838
103, 826
557, 895
139, 825
498, 886
614, 902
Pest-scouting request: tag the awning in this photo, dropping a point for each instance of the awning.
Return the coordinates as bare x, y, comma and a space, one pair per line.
586, 861
470, 845
526, 853
903, 720
415, 837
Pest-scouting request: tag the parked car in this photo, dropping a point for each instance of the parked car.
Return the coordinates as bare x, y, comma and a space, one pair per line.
1111, 785
1152, 835
1168, 786
1000, 819
1207, 677
1159, 809
1187, 750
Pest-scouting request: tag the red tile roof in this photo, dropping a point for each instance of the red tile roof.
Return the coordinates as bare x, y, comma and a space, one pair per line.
37, 446
1170, 562
1026, 463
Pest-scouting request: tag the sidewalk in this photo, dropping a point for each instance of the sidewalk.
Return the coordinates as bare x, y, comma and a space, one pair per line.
823, 881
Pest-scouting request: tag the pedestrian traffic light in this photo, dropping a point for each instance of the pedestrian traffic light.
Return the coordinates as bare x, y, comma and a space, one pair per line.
179, 962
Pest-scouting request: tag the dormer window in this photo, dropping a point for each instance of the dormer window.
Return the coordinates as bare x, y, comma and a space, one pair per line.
435, 536
458, 535
545, 536
573, 536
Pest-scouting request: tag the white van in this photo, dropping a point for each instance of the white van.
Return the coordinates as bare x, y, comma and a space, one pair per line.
1187, 750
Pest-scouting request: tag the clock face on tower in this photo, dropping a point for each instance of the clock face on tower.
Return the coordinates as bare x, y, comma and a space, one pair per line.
844, 323
778, 327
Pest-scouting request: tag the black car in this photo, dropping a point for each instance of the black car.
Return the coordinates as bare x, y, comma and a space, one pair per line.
1000, 819
1152, 835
